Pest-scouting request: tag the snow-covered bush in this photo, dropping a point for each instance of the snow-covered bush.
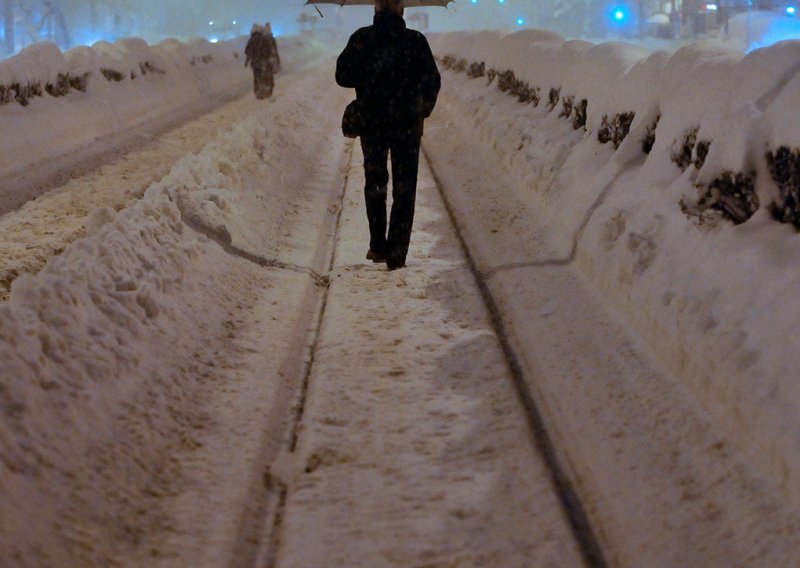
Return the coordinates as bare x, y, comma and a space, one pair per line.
108, 87
734, 194
566, 106
616, 129
650, 135
579, 117
784, 165
476, 70
553, 97
674, 104
683, 152
37, 69
42, 68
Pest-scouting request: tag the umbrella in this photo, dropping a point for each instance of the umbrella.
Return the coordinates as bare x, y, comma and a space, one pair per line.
407, 3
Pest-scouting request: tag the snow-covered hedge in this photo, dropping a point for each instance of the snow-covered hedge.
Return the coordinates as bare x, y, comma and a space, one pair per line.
678, 104
56, 102
41, 67
694, 140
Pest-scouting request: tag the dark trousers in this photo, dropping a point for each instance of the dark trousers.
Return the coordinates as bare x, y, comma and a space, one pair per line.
403, 145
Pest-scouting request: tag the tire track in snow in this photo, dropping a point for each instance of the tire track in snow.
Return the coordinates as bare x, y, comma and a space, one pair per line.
265, 553
573, 508
414, 447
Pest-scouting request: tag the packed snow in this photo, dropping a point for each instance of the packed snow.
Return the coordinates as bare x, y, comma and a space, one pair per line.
150, 361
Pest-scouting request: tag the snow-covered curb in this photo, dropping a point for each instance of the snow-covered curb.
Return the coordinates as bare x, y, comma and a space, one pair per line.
711, 298
57, 103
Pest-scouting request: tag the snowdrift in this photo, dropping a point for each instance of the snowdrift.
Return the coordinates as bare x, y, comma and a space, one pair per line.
671, 180
53, 103
95, 393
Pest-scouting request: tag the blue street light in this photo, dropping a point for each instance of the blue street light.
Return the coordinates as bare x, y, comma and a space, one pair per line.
474, 1
619, 15
520, 21
502, 1
791, 10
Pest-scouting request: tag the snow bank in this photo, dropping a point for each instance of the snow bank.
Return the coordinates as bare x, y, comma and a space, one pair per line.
105, 357
56, 103
674, 217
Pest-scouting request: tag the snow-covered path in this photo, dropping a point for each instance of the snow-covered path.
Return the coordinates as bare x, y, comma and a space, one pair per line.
216, 376
414, 448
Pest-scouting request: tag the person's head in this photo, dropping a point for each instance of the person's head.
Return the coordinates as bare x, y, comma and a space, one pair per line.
256, 29
268, 28
394, 6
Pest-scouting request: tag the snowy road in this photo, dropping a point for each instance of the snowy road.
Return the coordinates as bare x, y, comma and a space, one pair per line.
413, 447
282, 402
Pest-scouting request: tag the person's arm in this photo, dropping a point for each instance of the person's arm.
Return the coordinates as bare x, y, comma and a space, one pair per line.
431, 81
348, 68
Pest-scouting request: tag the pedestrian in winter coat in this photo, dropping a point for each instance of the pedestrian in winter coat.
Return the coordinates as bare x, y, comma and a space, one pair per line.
258, 55
274, 56
397, 83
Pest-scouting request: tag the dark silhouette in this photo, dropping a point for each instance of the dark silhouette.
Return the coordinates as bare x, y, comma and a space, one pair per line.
274, 56
397, 83
261, 53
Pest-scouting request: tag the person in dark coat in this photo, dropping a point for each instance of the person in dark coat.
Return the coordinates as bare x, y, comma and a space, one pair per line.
274, 56
396, 81
258, 55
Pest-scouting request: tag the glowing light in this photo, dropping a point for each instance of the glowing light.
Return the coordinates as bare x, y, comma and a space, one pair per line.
791, 10
520, 21
711, 7
234, 22
474, 1
502, 1
211, 23
619, 15
213, 39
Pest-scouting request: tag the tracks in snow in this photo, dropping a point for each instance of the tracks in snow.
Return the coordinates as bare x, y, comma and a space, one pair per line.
570, 501
325, 457
394, 436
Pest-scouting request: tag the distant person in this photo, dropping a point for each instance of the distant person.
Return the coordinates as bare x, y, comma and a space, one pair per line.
274, 57
396, 81
258, 56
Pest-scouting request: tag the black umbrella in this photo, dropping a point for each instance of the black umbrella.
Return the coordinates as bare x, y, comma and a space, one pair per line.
407, 3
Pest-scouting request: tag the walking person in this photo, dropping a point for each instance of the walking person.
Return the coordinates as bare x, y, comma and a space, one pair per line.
258, 56
396, 81
274, 56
